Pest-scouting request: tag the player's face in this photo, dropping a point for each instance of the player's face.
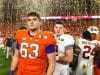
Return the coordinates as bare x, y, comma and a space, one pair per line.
93, 36
33, 22
59, 29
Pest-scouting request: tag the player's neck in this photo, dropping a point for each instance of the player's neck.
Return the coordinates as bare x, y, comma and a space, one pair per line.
32, 32
58, 35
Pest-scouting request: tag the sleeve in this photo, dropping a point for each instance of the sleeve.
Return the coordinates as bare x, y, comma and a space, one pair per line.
51, 43
69, 43
18, 36
50, 49
51, 39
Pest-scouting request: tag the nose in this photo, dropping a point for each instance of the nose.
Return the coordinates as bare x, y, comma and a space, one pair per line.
32, 22
58, 30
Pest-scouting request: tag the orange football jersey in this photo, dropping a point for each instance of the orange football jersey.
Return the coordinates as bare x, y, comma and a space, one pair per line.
32, 51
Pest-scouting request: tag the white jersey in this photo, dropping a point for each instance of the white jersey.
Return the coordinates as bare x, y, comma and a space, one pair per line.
62, 41
86, 48
85, 61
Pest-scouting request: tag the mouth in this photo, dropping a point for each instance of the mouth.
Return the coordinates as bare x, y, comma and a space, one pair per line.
31, 25
58, 32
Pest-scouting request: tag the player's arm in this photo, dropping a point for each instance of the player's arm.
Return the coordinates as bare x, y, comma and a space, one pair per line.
51, 59
68, 56
14, 63
69, 53
14, 60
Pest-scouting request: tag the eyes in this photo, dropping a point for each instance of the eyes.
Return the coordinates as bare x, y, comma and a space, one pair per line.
32, 19
58, 27
29, 19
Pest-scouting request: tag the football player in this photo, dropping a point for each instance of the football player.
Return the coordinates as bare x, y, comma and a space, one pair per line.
34, 48
87, 45
65, 44
95, 32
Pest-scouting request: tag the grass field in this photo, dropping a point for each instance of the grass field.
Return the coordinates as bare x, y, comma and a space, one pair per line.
4, 63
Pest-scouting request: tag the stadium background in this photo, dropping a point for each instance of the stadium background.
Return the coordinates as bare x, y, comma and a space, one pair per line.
13, 11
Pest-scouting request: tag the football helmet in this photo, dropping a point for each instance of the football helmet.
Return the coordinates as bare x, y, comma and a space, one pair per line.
93, 29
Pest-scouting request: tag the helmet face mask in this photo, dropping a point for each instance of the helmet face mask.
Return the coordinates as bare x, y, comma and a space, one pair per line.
93, 29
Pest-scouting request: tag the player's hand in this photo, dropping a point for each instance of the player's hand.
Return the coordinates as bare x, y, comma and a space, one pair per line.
11, 72
62, 60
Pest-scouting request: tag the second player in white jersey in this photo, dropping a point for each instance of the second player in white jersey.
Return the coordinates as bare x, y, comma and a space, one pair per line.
85, 61
65, 44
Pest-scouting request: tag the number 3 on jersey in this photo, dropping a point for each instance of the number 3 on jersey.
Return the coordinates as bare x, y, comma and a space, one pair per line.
24, 51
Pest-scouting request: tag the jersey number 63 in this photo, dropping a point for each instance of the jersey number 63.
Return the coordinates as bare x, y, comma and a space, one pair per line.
24, 50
